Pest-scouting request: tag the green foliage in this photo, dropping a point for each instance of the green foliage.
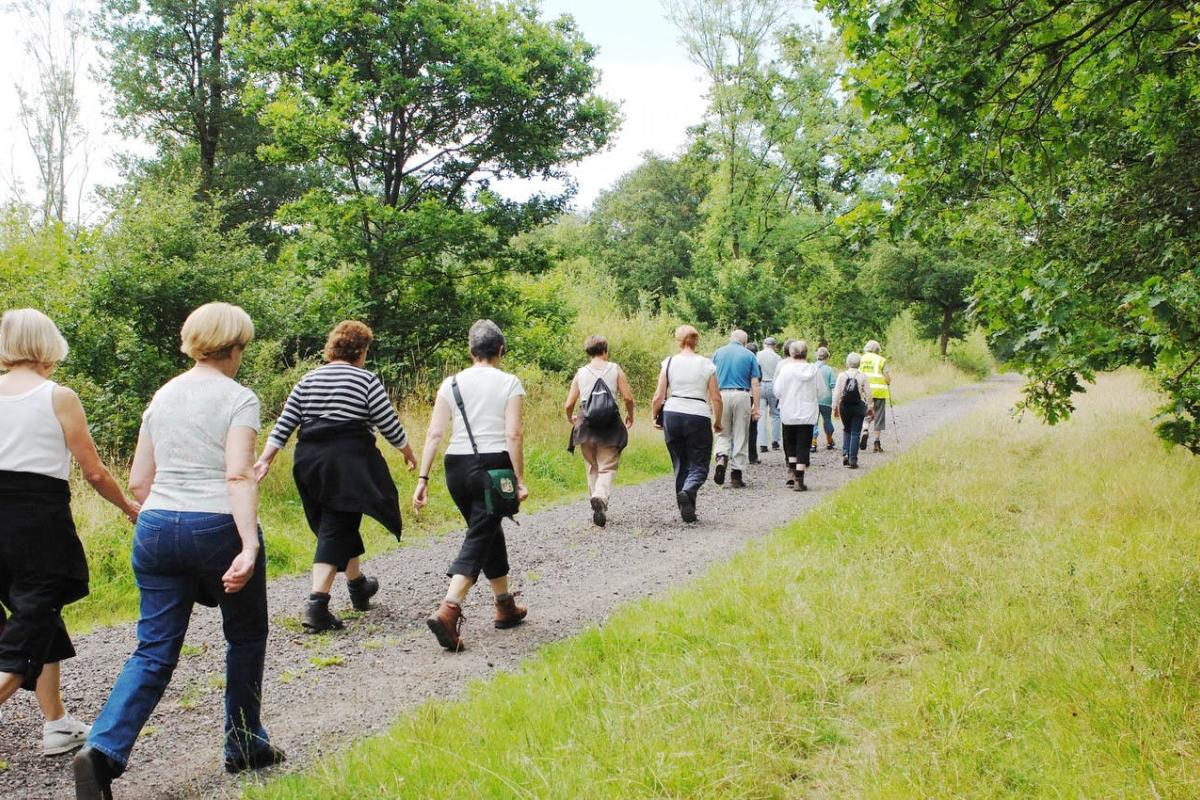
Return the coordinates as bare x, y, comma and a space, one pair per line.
1071, 128
414, 109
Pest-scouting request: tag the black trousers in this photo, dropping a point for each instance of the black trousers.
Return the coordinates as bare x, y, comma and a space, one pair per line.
797, 439
483, 548
339, 538
690, 442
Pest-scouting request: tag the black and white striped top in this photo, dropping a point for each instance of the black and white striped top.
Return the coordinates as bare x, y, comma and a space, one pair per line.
342, 392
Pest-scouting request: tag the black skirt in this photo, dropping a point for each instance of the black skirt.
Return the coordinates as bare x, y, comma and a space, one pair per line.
338, 468
42, 569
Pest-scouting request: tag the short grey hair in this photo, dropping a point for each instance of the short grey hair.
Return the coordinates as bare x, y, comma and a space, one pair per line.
822, 354
486, 340
854, 360
739, 336
872, 346
799, 349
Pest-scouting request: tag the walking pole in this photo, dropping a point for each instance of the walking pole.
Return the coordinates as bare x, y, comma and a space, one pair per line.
892, 412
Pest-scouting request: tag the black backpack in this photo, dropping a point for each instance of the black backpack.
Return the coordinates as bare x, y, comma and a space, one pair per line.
851, 394
600, 409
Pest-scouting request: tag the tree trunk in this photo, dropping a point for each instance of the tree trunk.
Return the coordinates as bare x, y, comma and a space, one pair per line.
210, 128
946, 329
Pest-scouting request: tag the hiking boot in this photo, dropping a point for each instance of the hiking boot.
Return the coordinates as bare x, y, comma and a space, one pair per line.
862, 442
735, 479
853, 465
268, 756
317, 616
446, 624
687, 506
845, 460
63, 735
878, 448
829, 445
362, 589
813, 449
94, 773
599, 511
762, 448
719, 474
774, 445
509, 613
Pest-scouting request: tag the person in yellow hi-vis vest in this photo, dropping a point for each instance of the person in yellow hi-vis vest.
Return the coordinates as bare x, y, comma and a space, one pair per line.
875, 367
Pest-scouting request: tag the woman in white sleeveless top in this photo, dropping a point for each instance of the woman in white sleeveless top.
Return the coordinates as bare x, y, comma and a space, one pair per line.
42, 565
599, 444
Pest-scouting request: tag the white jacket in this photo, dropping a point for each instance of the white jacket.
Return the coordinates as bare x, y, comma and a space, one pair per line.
797, 387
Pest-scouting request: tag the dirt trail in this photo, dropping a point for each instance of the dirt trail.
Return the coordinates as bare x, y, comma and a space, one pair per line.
352, 683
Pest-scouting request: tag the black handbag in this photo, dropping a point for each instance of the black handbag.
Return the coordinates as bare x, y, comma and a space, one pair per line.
500, 493
658, 417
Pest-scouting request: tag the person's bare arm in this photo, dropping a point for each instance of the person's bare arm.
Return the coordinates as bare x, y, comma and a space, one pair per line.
69, 412
516, 442
242, 486
755, 394
438, 424
626, 392
714, 397
141, 474
837, 396
572, 399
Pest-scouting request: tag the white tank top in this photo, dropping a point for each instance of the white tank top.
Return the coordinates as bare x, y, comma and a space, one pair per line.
31, 438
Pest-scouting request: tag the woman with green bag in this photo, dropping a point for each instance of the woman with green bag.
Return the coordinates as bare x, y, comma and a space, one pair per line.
485, 473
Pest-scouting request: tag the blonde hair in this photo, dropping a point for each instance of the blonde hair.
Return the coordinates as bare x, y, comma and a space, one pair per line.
27, 336
687, 336
214, 329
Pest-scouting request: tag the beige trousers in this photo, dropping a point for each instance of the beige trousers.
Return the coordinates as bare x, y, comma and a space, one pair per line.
602, 462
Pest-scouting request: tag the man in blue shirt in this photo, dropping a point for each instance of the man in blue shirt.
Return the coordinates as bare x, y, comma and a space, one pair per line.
738, 378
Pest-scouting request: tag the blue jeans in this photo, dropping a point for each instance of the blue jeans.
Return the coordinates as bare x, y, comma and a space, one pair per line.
825, 423
852, 423
770, 427
178, 560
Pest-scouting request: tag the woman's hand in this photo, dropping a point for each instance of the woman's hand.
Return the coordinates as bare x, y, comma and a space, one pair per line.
410, 458
573, 419
261, 468
717, 426
240, 571
522, 492
420, 497
629, 421
837, 414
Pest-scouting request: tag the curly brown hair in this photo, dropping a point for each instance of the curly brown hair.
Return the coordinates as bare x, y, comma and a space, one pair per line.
347, 341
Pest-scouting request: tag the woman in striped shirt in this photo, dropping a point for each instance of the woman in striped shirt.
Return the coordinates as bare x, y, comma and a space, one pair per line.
338, 469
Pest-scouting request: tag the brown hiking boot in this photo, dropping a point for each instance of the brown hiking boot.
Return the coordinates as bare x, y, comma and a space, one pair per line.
509, 614
446, 623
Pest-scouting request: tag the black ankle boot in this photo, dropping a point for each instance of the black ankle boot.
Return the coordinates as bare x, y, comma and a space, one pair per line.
268, 756
317, 616
362, 589
94, 773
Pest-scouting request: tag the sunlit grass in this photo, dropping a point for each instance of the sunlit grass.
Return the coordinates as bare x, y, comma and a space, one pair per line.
1007, 611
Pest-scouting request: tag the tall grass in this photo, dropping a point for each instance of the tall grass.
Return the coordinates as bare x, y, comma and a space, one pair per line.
1008, 611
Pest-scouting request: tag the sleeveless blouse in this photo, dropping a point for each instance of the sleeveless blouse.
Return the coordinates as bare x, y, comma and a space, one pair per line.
31, 437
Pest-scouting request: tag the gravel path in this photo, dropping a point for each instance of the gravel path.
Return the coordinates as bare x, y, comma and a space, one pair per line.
352, 683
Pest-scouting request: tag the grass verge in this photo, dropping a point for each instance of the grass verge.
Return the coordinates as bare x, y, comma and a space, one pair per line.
1006, 611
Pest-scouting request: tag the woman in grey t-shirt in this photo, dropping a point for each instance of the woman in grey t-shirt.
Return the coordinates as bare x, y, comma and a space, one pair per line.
196, 541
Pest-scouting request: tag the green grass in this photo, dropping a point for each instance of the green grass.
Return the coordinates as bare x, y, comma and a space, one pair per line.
1007, 611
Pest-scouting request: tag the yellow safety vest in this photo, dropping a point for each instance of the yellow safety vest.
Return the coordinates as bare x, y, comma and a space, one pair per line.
872, 365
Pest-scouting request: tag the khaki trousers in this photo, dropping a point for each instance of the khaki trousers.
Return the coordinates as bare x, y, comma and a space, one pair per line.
602, 462
734, 439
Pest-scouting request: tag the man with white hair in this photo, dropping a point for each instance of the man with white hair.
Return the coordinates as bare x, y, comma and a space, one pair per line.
739, 379
875, 367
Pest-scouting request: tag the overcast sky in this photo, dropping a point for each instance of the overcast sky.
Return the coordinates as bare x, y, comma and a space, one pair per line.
644, 68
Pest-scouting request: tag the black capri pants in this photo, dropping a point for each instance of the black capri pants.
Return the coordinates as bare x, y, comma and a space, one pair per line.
483, 548
797, 439
339, 538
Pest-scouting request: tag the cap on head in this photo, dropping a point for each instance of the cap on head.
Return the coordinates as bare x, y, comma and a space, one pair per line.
769, 341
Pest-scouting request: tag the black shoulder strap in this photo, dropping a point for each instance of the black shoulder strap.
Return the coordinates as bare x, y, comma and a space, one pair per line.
668, 372
463, 411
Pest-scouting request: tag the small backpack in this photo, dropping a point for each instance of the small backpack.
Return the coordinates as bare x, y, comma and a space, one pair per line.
851, 394
600, 410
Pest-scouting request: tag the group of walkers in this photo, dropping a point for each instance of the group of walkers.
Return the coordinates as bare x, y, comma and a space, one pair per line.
194, 485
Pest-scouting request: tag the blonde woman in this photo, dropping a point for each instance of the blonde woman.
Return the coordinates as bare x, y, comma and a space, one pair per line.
197, 541
690, 404
42, 565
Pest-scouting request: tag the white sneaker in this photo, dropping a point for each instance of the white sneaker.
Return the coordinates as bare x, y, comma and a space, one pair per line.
63, 735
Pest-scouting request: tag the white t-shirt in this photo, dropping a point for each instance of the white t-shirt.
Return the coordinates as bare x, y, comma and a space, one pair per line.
687, 384
485, 393
797, 387
188, 422
31, 437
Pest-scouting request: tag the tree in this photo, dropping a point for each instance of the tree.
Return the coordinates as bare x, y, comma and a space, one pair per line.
415, 109
646, 226
50, 113
934, 280
1072, 124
